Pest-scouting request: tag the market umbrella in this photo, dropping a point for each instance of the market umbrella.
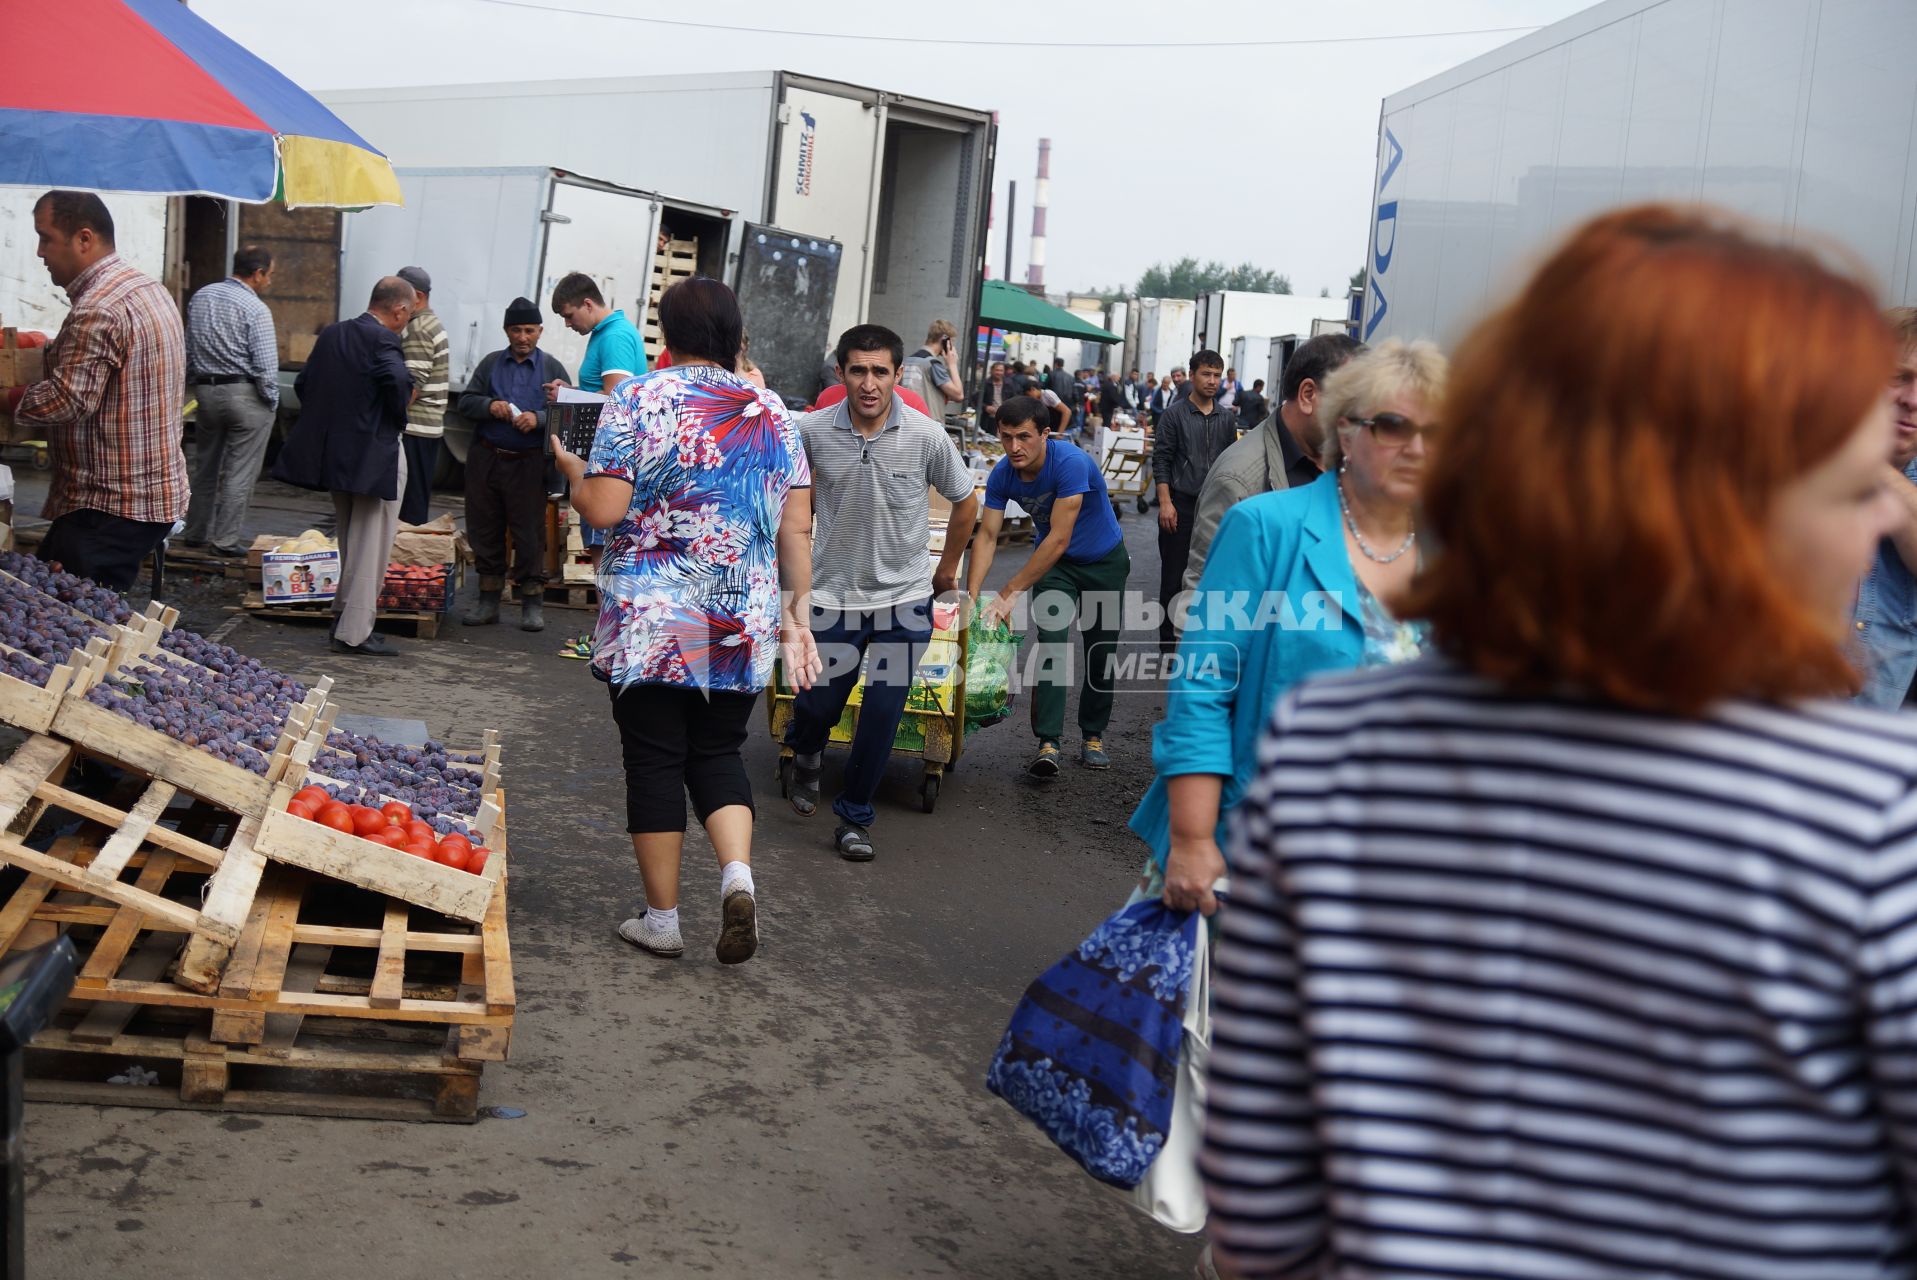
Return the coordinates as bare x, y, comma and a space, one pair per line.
1006, 306
143, 95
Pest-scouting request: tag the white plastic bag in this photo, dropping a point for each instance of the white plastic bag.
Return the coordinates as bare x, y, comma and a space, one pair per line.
1172, 1192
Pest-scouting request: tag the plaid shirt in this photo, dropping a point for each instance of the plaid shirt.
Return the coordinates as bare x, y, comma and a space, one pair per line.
424, 345
229, 332
112, 398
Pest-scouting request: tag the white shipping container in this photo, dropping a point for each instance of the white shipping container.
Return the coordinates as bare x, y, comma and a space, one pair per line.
28, 297
1227, 314
1797, 113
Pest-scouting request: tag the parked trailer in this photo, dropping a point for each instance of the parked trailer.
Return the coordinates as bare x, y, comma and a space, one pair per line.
1797, 113
1225, 315
899, 182
1165, 334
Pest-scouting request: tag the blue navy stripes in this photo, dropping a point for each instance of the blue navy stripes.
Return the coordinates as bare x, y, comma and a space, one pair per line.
1541, 989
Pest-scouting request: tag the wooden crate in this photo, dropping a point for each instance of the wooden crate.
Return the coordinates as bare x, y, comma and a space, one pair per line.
347, 1003
26, 707
19, 367
301, 842
211, 912
679, 262
111, 736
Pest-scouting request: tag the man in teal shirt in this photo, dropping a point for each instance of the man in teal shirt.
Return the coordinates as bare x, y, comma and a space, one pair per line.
614, 351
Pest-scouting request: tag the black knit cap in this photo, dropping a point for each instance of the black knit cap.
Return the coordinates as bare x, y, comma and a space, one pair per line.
524, 311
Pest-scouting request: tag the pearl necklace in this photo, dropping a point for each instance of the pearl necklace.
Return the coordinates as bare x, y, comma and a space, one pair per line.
1409, 540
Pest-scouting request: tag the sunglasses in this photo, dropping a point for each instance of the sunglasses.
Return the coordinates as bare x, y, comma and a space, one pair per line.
1392, 429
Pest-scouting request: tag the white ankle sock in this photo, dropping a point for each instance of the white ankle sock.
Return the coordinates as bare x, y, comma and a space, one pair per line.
735, 876
657, 920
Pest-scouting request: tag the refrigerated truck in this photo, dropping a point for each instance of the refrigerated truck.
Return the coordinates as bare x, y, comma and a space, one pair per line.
1164, 334
1225, 315
1797, 113
900, 182
489, 235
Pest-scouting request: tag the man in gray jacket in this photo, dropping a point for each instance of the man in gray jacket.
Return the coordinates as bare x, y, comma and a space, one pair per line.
1280, 453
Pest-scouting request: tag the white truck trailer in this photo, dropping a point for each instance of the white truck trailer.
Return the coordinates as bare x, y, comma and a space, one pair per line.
1798, 113
1164, 334
1225, 315
901, 183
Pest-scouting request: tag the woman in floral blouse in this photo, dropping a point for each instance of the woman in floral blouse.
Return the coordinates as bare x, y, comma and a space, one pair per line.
702, 479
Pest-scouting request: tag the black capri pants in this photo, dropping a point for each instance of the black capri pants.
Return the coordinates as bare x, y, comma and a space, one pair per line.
675, 740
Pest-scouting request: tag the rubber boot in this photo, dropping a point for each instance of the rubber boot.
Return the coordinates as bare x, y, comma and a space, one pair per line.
532, 609
485, 610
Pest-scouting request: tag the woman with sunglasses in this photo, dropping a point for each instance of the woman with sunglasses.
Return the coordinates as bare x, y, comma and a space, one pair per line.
1297, 582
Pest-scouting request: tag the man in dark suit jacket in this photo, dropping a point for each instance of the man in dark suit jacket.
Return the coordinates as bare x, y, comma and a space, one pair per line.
353, 397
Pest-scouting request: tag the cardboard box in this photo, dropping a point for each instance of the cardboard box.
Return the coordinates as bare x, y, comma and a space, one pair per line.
305, 577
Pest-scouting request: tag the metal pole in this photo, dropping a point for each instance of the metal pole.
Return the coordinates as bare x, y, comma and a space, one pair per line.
1011, 211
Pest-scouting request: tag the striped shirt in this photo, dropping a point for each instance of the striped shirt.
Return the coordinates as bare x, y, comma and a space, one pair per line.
1539, 989
229, 333
423, 342
870, 512
112, 399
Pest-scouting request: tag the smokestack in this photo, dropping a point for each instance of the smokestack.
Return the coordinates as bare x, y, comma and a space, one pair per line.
1041, 197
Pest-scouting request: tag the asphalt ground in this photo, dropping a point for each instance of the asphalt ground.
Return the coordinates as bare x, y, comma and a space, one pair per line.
819, 1111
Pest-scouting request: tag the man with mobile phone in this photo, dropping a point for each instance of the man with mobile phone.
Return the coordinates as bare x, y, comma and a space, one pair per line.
933, 365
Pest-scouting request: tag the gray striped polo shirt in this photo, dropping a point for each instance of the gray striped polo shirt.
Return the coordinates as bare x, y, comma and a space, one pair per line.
870, 512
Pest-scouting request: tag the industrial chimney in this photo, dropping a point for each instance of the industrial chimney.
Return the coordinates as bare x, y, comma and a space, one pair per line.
1035, 272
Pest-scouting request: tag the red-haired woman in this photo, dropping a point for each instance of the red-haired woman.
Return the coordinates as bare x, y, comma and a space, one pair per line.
1588, 947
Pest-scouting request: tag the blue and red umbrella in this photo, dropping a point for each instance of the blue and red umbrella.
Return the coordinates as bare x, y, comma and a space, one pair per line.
143, 95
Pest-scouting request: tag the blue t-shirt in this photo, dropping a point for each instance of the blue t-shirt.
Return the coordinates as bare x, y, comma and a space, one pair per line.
613, 344
1068, 472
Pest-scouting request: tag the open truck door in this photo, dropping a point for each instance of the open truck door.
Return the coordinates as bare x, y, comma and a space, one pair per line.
787, 284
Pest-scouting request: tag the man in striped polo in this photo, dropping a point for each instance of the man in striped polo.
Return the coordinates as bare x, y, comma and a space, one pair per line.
872, 458
424, 345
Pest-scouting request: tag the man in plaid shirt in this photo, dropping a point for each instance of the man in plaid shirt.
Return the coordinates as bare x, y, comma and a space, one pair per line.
111, 400
233, 359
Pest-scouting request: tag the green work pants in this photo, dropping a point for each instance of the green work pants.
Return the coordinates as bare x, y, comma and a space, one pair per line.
1095, 593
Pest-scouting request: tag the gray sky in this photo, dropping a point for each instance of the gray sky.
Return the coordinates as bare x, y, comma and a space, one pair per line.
1222, 149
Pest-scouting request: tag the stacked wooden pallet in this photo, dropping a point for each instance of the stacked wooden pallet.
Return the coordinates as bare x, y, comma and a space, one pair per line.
680, 261
253, 960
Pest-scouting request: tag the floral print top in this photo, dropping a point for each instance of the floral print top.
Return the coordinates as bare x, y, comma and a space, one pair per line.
689, 580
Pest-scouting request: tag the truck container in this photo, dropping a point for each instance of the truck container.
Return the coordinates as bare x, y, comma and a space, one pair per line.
489, 235
1228, 314
1796, 113
1249, 355
899, 182
1165, 334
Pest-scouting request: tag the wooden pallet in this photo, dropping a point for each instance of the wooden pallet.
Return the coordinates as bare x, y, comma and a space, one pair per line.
425, 623
202, 560
680, 261
572, 595
347, 1003
199, 886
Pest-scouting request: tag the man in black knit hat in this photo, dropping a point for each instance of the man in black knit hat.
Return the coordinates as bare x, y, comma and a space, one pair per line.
506, 468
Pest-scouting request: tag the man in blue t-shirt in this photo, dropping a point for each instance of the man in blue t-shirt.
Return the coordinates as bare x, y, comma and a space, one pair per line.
1080, 559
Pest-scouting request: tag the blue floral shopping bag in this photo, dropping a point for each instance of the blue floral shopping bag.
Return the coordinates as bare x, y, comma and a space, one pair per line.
1091, 1054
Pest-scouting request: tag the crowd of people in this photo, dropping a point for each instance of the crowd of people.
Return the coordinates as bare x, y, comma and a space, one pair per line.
1541, 803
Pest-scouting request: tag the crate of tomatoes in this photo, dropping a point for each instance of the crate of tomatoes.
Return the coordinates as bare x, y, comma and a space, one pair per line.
445, 865
426, 588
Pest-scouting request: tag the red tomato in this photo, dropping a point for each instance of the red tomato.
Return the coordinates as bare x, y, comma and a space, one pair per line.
338, 817
390, 836
301, 809
455, 856
396, 813
476, 861
421, 828
313, 795
419, 849
455, 838
366, 821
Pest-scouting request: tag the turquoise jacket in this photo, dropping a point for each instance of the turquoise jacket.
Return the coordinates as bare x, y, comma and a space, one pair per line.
1278, 602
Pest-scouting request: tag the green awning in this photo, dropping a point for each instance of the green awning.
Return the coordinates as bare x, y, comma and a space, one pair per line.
1006, 306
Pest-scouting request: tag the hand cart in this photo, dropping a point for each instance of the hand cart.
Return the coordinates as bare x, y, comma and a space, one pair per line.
932, 730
